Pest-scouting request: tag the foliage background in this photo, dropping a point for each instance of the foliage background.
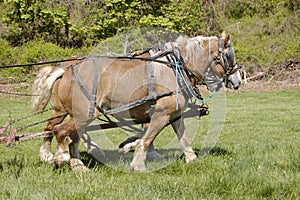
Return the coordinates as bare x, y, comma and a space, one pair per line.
264, 32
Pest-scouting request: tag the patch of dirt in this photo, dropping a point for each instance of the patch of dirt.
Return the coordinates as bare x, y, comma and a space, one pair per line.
282, 76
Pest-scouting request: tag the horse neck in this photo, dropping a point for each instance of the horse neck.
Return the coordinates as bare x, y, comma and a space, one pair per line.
199, 52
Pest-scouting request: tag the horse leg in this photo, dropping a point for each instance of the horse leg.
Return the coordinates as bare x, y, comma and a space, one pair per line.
45, 149
73, 146
152, 153
75, 162
158, 121
179, 128
63, 133
131, 142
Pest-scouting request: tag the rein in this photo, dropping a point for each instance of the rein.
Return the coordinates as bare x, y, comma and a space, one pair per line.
41, 63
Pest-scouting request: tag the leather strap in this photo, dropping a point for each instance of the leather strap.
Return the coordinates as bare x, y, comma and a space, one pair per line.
151, 81
91, 97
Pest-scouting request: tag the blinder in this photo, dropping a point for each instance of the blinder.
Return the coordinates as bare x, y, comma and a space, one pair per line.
226, 59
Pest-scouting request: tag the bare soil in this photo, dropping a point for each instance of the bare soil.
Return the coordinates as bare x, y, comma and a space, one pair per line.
282, 76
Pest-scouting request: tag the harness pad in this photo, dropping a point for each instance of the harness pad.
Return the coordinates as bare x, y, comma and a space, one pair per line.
151, 81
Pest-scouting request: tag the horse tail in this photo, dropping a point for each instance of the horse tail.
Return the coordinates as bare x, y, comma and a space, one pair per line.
42, 86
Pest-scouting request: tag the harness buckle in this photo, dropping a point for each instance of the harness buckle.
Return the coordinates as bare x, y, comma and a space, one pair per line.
217, 59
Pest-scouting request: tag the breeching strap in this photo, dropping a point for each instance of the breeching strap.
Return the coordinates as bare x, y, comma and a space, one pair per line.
90, 97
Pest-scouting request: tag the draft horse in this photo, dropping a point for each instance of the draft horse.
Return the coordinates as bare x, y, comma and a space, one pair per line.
155, 91
46, 83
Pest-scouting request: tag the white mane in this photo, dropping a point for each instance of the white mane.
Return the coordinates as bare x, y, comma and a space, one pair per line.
194, 50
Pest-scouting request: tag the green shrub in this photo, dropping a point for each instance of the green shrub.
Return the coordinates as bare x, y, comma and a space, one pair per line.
6, 55
32, 52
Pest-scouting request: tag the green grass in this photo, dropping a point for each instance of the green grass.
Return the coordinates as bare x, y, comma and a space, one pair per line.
256, 157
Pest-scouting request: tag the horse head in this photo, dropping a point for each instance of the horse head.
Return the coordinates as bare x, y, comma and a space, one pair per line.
214, 60
231, 70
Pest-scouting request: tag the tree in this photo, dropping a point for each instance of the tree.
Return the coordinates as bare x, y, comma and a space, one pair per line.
31, 19
79, 22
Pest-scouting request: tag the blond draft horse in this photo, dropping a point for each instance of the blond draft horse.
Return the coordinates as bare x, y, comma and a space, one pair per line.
46, 84
96, 86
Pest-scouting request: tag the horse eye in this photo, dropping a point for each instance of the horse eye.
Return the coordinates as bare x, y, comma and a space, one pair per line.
229, 58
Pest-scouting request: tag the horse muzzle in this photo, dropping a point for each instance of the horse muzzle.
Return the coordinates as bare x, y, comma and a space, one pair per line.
234, 80
234, 83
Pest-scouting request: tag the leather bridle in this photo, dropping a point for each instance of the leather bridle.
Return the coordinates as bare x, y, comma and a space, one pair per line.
225, 58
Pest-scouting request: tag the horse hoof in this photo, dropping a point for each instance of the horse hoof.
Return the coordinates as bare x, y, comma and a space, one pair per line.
45, 154
78, 165
121, 151
128, 146
46, 157
61, 159
138, 168
190, 159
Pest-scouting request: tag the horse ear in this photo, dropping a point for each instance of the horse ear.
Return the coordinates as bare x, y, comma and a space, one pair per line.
223, 35
225, 38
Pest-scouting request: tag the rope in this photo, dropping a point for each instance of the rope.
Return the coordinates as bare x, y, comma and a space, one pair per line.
82, 58
28, 116
40, 122
11, 122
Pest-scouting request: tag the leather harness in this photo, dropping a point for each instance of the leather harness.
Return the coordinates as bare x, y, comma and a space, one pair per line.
152, 95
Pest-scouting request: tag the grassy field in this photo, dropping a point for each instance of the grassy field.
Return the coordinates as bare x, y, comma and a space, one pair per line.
256, 157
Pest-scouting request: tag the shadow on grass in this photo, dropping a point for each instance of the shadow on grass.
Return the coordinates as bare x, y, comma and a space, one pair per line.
113, 156
215, 151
